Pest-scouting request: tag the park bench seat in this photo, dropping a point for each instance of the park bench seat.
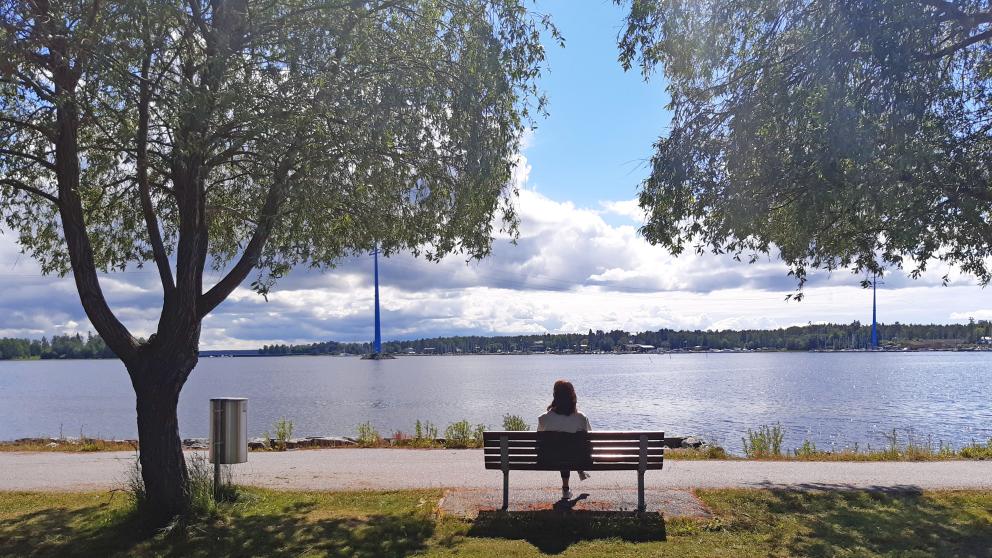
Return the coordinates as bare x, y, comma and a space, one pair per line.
607, 451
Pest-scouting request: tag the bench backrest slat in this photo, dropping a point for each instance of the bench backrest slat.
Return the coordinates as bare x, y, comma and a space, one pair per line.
612, 435
610, 450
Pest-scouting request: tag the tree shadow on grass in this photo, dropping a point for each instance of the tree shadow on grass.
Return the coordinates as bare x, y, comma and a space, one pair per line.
903, 522
552, 532
91, 531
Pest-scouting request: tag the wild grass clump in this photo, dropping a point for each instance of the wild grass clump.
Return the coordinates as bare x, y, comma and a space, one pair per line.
134, 485
895, 449
514, 423
807, 450
698, 454
424, 436
765, 442
368, 436
912, 450
425, 433
199, 490
977, 451
461, 435
401, 439
284, 433
201, 484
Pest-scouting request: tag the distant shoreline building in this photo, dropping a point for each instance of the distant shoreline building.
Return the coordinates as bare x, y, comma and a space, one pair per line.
637, 348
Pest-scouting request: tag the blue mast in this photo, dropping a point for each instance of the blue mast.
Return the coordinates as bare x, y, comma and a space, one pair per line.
874, 314
377, 343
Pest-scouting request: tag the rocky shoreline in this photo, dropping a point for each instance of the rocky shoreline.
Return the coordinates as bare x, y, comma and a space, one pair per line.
257, 444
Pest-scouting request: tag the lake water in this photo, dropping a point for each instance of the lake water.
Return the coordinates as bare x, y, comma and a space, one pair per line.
834, 399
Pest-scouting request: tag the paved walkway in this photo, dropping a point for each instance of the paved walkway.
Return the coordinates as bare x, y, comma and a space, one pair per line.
386, 469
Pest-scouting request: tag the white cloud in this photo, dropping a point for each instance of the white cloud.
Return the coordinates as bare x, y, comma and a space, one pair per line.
980, 314
625, 208
571, 270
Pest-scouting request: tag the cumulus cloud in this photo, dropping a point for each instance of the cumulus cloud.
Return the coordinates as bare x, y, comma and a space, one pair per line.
978, 314
625, 208
572, 269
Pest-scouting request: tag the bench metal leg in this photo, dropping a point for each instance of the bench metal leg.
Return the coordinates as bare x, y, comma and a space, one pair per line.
642, 466
506, 490
640, 492
504, 459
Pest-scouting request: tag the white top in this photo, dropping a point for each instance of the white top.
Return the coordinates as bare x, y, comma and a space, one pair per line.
575, 422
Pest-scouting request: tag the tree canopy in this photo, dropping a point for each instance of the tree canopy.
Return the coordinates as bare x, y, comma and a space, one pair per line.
252, 137
850, 134
283, 133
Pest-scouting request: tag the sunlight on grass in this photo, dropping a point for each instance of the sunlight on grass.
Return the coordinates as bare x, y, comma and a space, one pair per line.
404, 523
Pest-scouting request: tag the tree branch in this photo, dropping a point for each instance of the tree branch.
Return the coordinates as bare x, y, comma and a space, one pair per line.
47, 132
954, 12
77, 241
141, 167
113, 332
983, 36
29, 157
253, 251
18, 185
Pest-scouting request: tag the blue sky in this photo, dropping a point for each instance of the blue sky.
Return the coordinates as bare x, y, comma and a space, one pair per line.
579, 262
603, 121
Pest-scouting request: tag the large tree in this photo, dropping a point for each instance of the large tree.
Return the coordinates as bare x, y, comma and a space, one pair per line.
250, 137
841, 134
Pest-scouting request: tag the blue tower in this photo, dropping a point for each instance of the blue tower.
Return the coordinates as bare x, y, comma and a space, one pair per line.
874, 314
377, 343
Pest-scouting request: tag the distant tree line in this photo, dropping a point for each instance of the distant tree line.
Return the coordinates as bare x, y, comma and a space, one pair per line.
799, 338
324, 348
60, 346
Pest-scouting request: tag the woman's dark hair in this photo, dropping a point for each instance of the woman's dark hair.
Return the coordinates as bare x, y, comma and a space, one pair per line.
564, 398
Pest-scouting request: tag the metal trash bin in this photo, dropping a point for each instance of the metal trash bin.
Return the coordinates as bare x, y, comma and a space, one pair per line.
228, 435
228, 430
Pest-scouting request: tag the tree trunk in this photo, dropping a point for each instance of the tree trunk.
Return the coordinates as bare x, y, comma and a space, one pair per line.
157, 383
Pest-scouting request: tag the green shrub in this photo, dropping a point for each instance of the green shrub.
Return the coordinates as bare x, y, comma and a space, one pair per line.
460, 435
368, 436
764, 442
514, 423
284, 433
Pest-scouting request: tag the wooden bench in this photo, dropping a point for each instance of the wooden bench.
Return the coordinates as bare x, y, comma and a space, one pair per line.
608, 451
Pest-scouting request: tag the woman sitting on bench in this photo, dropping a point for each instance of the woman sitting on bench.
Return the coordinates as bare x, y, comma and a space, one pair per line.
562, 416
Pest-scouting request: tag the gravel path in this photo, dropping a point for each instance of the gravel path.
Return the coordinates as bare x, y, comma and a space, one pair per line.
384, 469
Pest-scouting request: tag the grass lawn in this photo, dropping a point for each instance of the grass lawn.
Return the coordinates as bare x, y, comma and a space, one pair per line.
383, 524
